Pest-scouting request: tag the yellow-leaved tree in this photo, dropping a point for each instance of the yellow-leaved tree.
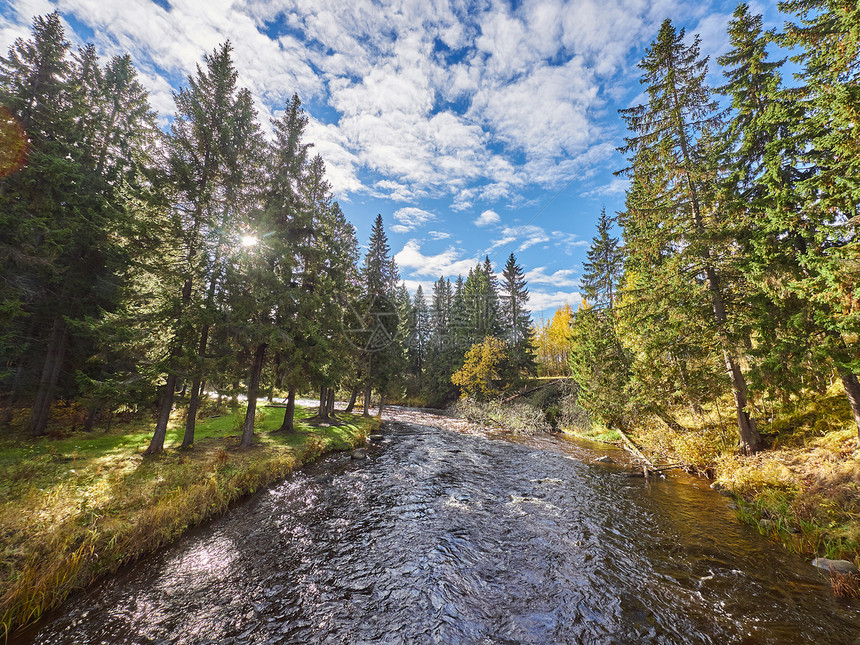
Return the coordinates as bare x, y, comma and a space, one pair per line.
483, 373
553, 344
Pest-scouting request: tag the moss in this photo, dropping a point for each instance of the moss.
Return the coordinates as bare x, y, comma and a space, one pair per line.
79, 507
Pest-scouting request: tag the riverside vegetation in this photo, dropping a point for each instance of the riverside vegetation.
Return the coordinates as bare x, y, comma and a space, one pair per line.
721, 326
80, 506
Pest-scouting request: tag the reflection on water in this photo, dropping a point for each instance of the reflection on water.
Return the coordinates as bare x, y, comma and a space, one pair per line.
444, 538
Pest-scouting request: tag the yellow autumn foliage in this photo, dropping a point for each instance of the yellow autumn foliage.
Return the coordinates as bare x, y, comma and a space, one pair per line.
483, 371
553, 343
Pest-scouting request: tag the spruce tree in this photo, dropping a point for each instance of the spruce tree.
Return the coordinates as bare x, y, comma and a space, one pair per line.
419, 336
603, 270
480, 301
214, 143
671, 135
382, 351
441, 350
68, 213
827, 33
516, 319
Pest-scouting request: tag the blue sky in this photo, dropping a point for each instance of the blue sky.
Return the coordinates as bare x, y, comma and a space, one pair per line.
474, 128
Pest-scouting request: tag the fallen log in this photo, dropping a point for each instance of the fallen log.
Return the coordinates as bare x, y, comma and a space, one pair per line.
534, 389
634, 449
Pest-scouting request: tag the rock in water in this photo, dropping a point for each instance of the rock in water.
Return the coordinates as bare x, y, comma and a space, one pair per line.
376, 438
361, 453
605, 459
842, 567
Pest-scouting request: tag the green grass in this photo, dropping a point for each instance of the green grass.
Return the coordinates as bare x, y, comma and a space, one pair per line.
80, 506
594, 433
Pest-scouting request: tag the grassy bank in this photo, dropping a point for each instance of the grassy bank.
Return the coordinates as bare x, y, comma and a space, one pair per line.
803, 491
78, 507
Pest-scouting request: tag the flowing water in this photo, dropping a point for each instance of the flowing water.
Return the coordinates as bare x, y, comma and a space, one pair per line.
441, 537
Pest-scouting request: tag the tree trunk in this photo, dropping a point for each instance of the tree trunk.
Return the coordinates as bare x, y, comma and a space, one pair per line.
330, 402
91, 418
381, 405
352, 397
323, 409
290, 412
750, 439
50, 375
196, 387
852, 391
191, 418
367, 400
253, 391
156, 445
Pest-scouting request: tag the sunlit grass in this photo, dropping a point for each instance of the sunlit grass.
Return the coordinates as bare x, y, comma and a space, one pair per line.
78, 507
804, 490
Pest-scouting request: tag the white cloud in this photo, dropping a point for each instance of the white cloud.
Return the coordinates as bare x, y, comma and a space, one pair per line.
616, 186
560, 278
439, 235
528, 235
449, 263
410, 218
548, 301
567, 241
426, 287
516, 102
487, 218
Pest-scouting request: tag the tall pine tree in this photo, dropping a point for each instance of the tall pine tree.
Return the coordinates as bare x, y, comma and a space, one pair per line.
516, 319
673, 130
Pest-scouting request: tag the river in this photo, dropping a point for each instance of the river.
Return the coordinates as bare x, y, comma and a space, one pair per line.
445, 537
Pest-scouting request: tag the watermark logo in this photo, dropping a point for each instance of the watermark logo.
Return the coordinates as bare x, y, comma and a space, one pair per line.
371, 325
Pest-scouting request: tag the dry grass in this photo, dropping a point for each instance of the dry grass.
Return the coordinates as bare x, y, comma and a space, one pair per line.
78, 508
803, 491
845, 585
517, 416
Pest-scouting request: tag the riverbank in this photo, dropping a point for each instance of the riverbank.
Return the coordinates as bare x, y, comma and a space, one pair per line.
802, 491
79, 507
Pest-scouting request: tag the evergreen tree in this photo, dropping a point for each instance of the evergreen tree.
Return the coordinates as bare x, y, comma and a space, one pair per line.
480, 302
270, 290
603, 270
672, 136
761, 201
827, 33
516, 319
419, 336
67, 212
600, 366
441, 350
214, 143
382, 353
